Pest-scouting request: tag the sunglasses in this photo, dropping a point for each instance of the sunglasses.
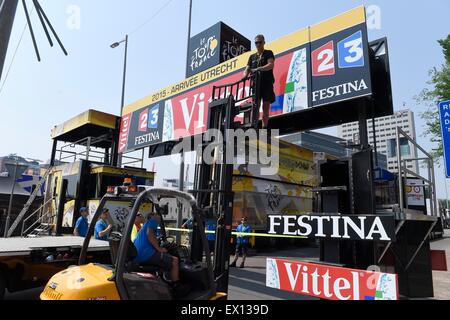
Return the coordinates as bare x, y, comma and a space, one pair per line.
258, 42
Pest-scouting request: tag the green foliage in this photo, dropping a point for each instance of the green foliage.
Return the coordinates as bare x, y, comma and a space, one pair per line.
438, 91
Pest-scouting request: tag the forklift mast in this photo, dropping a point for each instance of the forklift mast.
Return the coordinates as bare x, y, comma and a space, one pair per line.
213, 182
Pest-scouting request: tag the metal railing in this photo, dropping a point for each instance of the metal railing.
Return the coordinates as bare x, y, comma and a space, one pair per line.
133, 160
38, 220
246, 95
242, 90
88, 153
404, 173
98, 156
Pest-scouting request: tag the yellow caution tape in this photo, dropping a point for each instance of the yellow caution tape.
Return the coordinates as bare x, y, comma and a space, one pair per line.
240, 234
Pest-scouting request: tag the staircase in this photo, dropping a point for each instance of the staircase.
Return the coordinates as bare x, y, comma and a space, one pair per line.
29, 203
44, 224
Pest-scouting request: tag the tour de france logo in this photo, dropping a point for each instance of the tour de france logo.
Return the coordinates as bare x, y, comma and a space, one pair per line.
204, 52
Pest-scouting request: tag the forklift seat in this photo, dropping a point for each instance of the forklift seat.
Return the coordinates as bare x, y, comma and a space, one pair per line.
131, 265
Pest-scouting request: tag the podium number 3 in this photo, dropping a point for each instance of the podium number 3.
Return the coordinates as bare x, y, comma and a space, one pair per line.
351, 52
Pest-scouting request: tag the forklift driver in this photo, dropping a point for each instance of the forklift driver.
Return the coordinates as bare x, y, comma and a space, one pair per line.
150, 253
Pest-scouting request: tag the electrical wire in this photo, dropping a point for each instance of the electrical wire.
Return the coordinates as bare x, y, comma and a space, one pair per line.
14, 55
151, 18
132, 32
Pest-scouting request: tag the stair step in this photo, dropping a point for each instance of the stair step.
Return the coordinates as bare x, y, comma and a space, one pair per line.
247, 126
246, 107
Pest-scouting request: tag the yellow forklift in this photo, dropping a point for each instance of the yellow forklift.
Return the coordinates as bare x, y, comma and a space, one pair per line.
124, 279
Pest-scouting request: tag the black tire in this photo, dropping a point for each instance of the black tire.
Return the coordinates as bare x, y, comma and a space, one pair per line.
2, 286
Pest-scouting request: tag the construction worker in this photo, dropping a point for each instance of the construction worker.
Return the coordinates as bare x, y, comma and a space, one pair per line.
263, 62
150, 253
82, 225
102, 227
242, 242
138, 223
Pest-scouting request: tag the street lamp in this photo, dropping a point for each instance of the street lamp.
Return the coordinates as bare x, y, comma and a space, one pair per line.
122, 104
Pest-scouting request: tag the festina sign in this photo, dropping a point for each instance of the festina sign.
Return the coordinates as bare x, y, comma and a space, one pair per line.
353, 227
329, 282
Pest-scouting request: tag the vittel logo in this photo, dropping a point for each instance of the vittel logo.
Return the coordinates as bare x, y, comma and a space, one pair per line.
310, 281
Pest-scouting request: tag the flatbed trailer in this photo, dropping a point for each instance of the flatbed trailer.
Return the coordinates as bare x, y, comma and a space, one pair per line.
28, 263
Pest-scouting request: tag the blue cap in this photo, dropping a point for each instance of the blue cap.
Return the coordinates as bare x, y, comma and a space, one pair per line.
83, 209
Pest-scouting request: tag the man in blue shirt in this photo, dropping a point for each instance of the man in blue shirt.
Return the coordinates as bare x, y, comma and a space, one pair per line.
102, 227
82, 225
242, 243
150, 253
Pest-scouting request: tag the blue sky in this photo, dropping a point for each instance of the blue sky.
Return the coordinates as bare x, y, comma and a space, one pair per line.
38, 96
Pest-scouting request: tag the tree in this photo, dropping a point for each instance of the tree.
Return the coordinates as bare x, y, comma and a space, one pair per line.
438, 91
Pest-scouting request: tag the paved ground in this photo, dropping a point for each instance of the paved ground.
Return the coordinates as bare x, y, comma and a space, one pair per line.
249, 283
442, 279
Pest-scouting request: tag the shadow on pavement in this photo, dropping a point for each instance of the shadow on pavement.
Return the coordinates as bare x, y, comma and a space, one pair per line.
254, 282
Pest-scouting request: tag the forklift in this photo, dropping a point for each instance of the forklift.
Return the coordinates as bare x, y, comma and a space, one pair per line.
212, 197
124, 279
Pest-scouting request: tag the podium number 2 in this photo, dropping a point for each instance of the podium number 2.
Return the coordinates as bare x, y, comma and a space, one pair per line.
323, 60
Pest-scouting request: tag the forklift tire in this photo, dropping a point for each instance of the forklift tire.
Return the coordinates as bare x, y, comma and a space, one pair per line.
2, 286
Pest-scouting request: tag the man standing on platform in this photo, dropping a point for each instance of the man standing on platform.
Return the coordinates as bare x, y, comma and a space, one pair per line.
264, 62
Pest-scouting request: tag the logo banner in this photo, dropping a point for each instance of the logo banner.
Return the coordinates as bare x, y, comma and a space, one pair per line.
317, 66
329, 282
354, 227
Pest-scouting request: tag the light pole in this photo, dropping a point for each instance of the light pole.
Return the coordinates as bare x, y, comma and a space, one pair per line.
182, 156
122, 104
8, 217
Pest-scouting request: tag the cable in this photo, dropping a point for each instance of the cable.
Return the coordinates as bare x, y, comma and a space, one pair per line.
14, 55
151, 18
132, 32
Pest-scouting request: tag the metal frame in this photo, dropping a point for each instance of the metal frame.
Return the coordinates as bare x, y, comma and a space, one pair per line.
88, 154
237, 90
403, 215
41, 217
84, 155
403, 173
